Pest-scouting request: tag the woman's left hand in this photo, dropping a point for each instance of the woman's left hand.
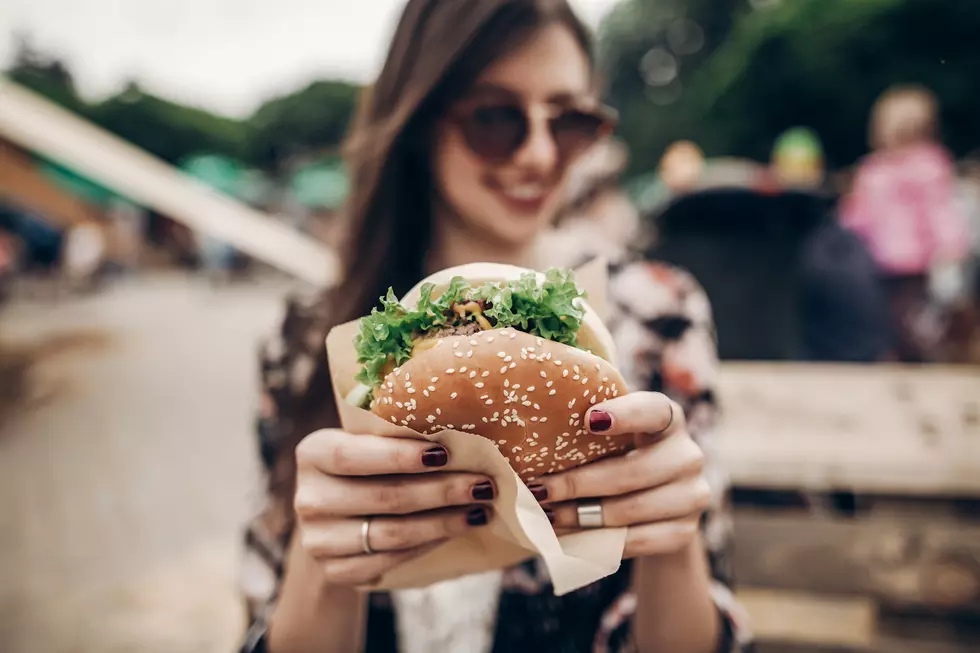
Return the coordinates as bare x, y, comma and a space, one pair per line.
657, 490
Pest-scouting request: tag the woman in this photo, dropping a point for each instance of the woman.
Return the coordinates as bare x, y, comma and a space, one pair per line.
903, 207
460, 154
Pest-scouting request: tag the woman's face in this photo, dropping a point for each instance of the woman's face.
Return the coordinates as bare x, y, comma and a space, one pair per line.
510, 199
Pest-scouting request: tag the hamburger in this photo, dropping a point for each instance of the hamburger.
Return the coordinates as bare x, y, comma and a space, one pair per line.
508, 354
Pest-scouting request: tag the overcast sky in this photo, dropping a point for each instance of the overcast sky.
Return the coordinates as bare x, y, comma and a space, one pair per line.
224, 55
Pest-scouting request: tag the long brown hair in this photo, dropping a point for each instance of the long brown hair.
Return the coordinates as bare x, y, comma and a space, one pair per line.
439, 49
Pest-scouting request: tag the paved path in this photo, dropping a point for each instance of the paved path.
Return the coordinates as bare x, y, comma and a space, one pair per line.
122, 498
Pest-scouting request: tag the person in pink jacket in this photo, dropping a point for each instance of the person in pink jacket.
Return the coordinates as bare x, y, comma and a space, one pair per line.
903, 206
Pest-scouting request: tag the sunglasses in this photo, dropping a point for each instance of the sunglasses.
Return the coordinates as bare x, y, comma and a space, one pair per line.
496, 132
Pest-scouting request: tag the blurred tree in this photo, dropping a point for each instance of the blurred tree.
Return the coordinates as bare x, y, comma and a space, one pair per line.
168, 130
818, 63
311, 119
44, 74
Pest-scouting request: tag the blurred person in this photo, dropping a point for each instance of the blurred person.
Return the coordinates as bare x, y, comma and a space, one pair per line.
459, 154
902, 205
83, 255
797, 160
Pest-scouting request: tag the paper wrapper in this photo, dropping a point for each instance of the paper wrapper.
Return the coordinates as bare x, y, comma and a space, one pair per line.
519, 528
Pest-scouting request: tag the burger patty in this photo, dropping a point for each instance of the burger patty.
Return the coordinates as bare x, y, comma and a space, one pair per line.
467, 329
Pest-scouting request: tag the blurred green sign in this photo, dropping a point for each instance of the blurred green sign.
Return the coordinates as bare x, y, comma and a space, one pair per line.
320, 185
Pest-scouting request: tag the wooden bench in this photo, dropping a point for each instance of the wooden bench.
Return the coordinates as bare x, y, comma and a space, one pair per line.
857, 505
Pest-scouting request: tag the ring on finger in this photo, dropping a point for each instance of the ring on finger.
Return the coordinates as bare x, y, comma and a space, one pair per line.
365, 536
590, 514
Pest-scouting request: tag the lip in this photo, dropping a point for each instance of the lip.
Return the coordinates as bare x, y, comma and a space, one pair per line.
523, 205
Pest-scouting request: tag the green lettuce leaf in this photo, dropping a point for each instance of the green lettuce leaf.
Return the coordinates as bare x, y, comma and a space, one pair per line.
548, 310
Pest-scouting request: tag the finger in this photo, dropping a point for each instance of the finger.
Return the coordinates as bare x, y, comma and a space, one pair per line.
366, 569
319, 495
387, 534
637, 412
345, 454
659, 538
640, 469
687, 498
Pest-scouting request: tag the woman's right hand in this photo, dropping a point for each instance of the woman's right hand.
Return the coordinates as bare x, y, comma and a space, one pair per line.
397, 483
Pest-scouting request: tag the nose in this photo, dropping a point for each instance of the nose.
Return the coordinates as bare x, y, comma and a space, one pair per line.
538, 154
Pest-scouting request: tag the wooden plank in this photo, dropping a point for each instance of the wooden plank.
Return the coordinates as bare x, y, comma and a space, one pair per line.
886, 429
805, 618
908, 561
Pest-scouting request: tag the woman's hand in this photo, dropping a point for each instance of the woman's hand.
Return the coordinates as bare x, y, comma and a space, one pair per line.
657, 490
395, 483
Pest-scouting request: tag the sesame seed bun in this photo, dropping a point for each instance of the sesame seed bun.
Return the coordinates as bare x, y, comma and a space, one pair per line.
593, 335
527, 395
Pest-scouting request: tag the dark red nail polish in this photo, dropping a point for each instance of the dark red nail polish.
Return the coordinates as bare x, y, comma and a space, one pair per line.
539, 491
599, 421
476, 516
483, 491
435, 457
550, 514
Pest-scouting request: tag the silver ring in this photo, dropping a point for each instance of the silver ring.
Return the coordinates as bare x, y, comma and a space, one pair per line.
590, 514
365, 531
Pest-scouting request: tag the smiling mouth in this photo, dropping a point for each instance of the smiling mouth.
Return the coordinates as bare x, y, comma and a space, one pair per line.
525, 198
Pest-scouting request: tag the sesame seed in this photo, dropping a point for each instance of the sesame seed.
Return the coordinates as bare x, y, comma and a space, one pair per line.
411, 391
530, 388
540, 342
543, 375
544, 419
498, 441
585, 380
469, 354
411, 418
398, 371
474, 342
549, 384
513, 335
434, 379
393, 418
455, 344
564, 373
432, 388
508, 359
399, 404
489, 338
597, 367
489, 402
452, 395
438, 411
513, 365
506, 383
430, 419
501, 354
503, 369
605, 379
585, 394
480, 384
439, 342
592, 400
574, 416
552, 392
485, 373
534, 419
557, 362
526, 403
472, 374
450, 371
459, 354
484, 396
575, 378
486, 421
425, 392
462, 369
517, 386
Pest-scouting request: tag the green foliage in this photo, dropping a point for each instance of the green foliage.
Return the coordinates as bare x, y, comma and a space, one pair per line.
818, 63
313, 118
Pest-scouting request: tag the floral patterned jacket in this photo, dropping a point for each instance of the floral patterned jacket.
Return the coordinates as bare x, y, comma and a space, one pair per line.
661, 321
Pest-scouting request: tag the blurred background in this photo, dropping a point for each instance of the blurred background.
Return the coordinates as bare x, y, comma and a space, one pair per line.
170, 171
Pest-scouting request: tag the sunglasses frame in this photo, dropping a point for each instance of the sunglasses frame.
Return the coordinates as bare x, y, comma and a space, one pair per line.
608, 122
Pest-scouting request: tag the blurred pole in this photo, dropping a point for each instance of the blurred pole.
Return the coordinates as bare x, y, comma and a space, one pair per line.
39, 125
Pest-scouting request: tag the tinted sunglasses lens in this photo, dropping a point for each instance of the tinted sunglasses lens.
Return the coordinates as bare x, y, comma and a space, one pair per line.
495, 132
575, 131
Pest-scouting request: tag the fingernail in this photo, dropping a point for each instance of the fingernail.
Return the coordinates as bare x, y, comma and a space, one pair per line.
550, 514
483, 491
599, 421
476, 516
539, 491
435, 457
